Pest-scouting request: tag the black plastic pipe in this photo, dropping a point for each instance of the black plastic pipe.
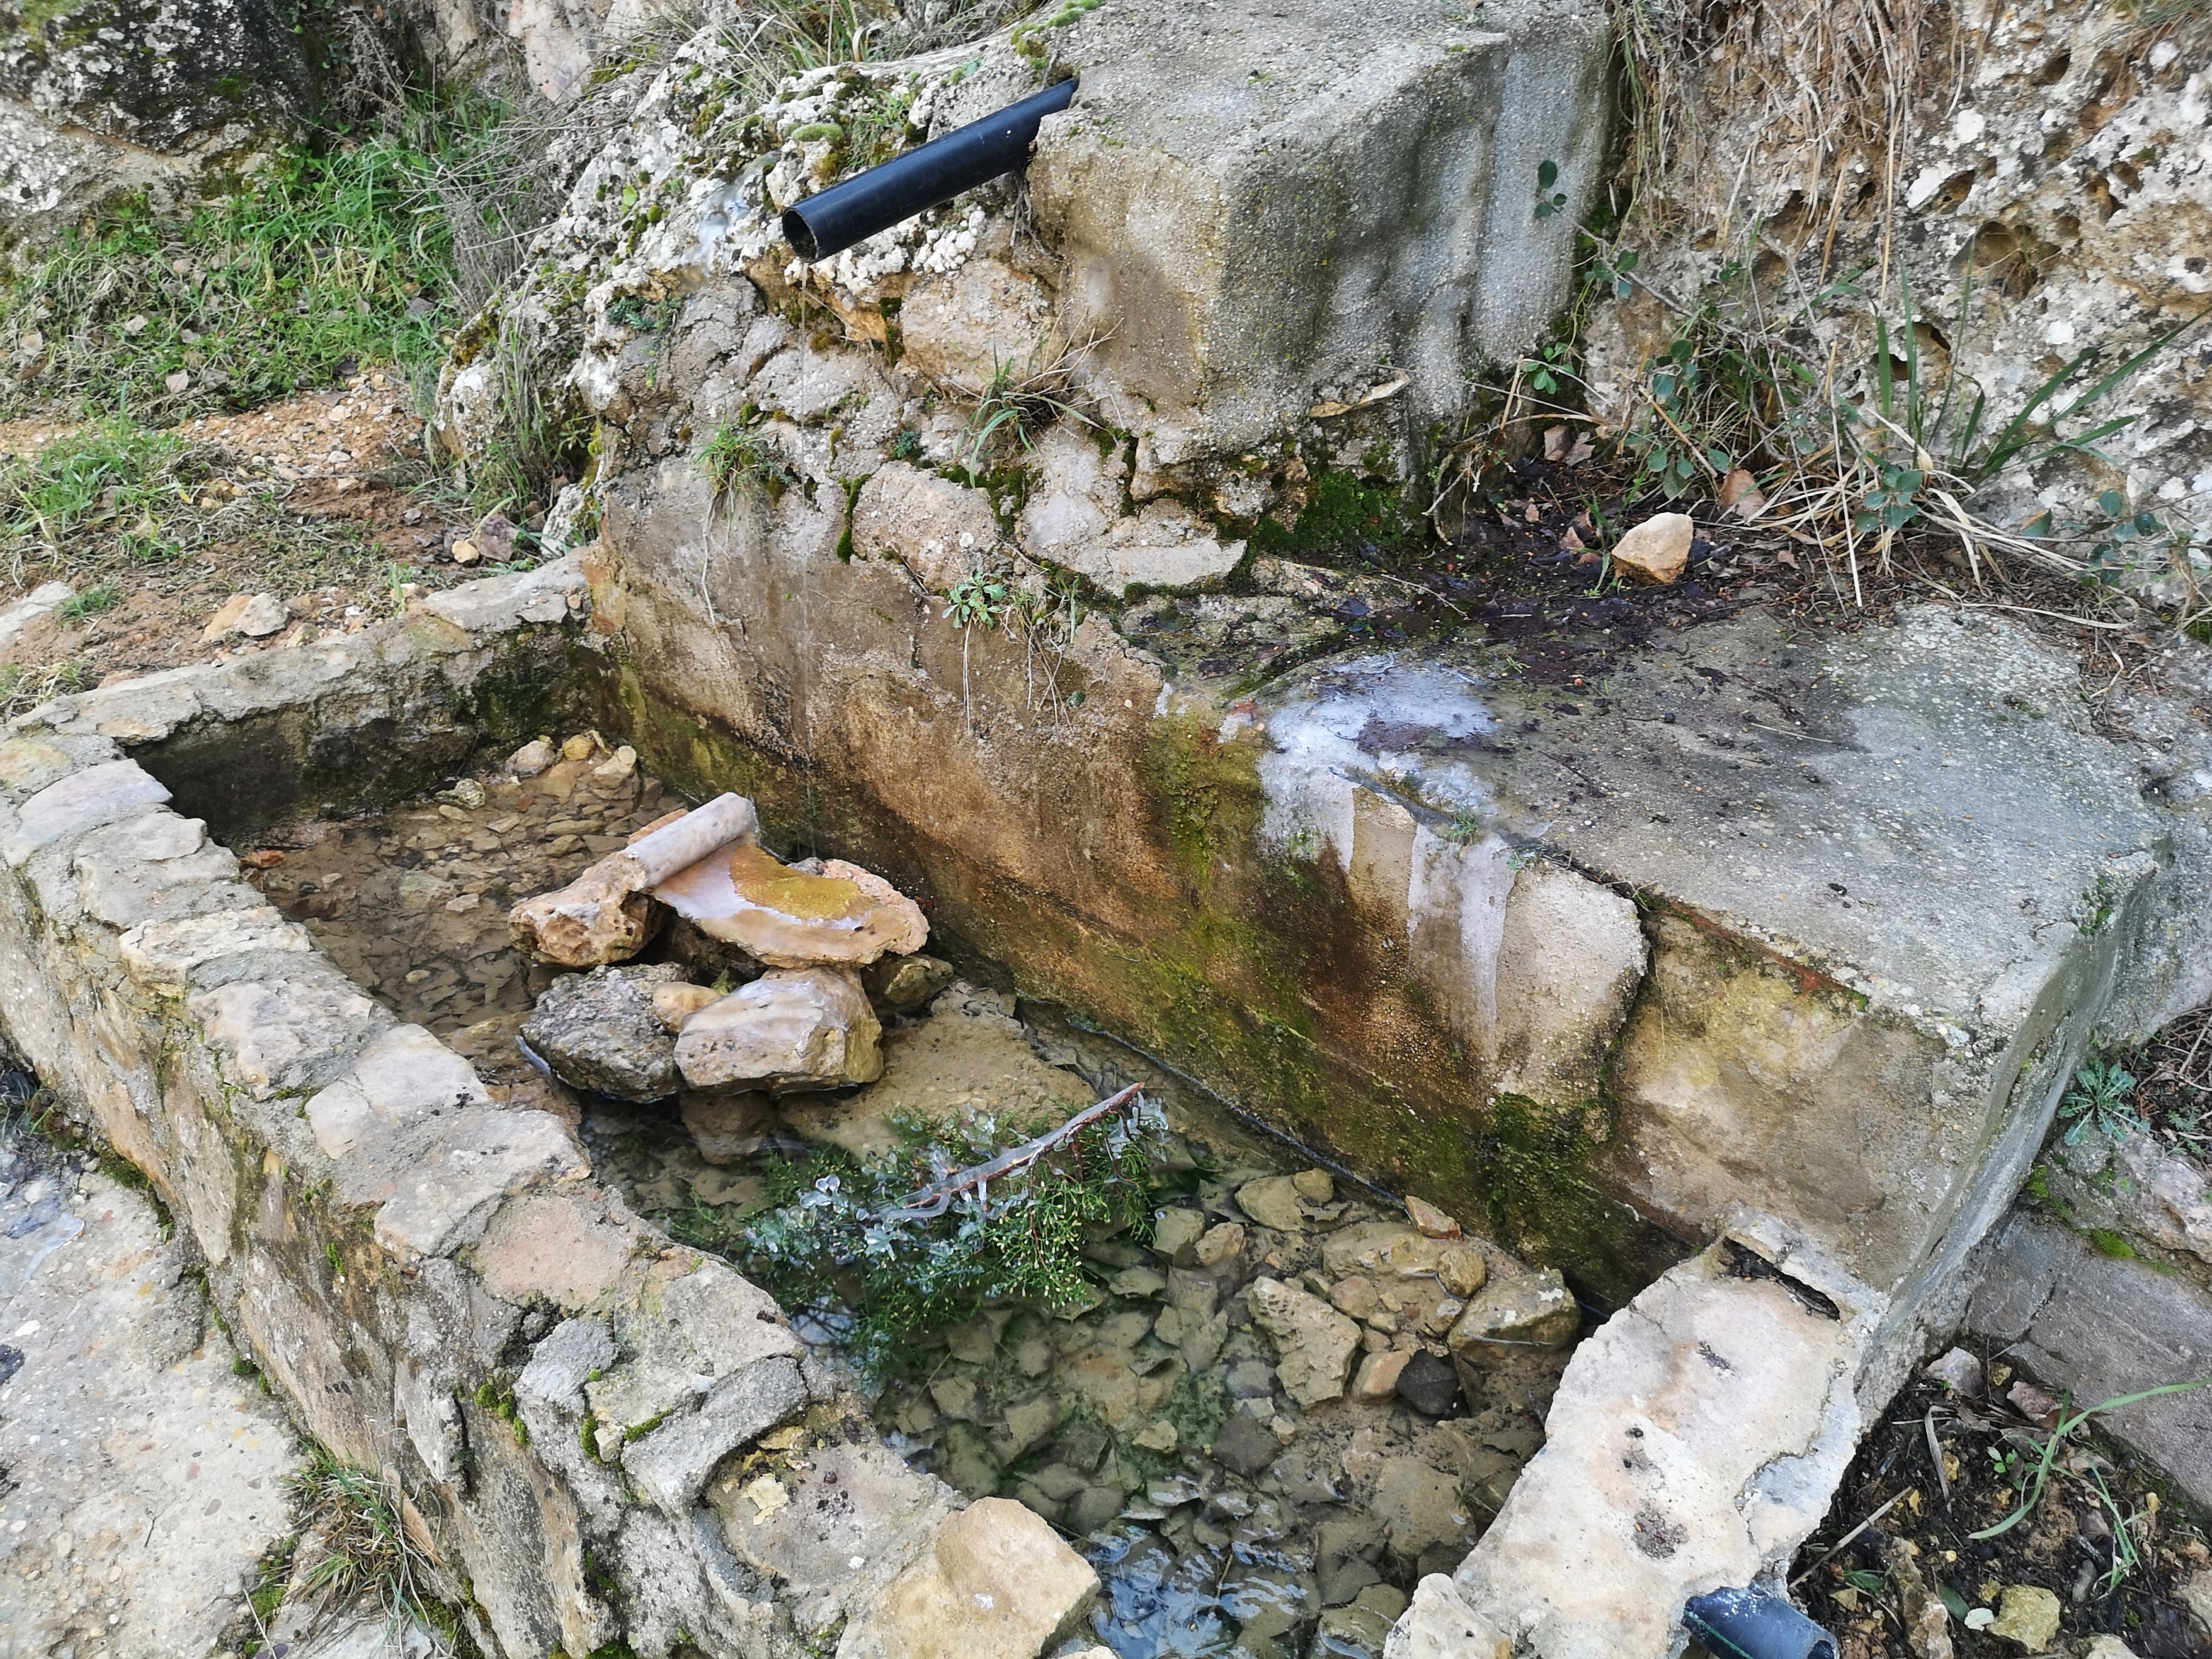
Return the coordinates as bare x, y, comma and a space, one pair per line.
831, 221
1755, 1623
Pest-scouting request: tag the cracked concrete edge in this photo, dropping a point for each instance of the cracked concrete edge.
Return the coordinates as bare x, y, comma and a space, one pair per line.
216, 1051
1694, 1443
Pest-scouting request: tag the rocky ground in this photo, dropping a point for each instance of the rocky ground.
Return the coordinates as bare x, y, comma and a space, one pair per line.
1256, 1430
142, 1466
414, 905
2102, 1565
322, 501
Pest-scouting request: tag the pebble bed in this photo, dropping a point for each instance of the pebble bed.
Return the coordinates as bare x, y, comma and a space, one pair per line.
1157, 1426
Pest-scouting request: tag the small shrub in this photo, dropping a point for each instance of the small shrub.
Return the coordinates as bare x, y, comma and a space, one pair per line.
847, 1238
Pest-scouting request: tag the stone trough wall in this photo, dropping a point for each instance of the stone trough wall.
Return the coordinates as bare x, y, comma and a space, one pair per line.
430, 1279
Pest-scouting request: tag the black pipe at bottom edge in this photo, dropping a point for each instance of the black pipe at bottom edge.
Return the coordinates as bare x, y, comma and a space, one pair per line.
1755, 1623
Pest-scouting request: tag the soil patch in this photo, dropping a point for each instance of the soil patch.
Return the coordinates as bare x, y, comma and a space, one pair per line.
2103, 1539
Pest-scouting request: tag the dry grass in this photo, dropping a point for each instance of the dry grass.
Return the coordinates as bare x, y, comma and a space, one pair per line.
1839, 83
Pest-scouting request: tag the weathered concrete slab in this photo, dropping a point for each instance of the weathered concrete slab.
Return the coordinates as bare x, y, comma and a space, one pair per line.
1694, 1443
1879, 874
1254, 202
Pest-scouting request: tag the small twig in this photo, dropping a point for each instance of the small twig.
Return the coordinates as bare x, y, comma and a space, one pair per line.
1848, 1537
1935, 1455
934, 1200
2057, 616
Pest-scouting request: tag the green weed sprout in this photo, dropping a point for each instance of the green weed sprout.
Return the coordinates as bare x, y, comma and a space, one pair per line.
2099, 1100
2037, 1472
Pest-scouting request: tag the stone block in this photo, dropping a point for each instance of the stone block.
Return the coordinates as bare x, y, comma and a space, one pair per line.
168, 955
850, 1519
557, 1247
495, 604
2095, 1328
98, 794
403, 1076
563, 1361
790, 1030
670, 1464
291, 1035
940, 530
997, 1583
1234, 250
474, 1157
154, 868
690, 1323
1438, 1624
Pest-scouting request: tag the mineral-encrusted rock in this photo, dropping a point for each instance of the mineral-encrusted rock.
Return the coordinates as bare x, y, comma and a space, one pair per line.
788, 917
604, 914
1530, 1310
1313, 1343
677, 1002
792, 1029
728, 1128
939, 529
598, 1031
996, 1583
1272, 1201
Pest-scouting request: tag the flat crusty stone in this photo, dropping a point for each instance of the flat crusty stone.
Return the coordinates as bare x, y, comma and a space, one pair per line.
788, 918
997, 1583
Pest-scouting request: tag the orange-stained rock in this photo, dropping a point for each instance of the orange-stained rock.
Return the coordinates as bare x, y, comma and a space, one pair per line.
791, 918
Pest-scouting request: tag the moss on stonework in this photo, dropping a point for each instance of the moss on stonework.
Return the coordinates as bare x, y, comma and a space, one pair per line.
1258, 972
1343, 513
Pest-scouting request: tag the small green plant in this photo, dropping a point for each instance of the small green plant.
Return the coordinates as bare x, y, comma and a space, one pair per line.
1551, 364
738, 457
353, 1519
93, 601
2030, 1475
883, 1268
316, 265
2101, 1099
978, 599
114, 474
1549, 201
1016, 404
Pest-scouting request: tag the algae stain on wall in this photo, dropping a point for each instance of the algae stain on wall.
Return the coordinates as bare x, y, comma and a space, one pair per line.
1260, 966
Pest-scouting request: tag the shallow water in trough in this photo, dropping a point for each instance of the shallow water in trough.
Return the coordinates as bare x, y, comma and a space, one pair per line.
1151, 1425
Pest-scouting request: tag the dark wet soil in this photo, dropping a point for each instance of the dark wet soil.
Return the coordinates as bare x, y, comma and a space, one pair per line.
2070, 1544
